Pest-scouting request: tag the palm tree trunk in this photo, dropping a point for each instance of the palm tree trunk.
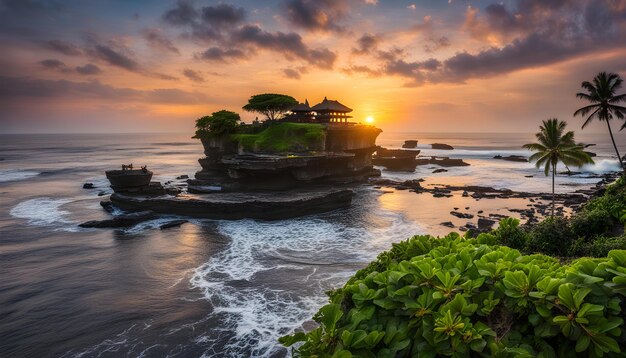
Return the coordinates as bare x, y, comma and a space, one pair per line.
553, 172
621, 164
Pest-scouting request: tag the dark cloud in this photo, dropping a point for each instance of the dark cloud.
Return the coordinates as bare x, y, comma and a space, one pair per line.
115, 57
88, 69
63, 47
317, 15
220, 54
289, 44
366, 44
53, 64
195, 76
434, 44
156, 39
291, 73
223, 15
26, 87
184, 13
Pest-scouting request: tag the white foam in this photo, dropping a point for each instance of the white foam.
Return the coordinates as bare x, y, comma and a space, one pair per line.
7, 175
317, 254
42, 211
602, 166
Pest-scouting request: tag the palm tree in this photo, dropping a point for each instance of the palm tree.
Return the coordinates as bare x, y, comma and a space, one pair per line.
604, 103
554, 146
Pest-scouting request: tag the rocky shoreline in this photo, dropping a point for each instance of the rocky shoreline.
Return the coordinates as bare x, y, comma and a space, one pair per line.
537, 205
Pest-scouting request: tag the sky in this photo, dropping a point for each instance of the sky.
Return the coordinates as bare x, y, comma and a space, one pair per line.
429, 66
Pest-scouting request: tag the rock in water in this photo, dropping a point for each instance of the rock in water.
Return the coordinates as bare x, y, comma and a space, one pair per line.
447, 224
125, 220
173, 223
461, 215
88, 186
108, 206
182, 177
485, 224
442, 146
409, 144
440, 170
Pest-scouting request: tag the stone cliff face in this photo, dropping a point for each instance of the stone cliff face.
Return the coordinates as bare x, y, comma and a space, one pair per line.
347, 157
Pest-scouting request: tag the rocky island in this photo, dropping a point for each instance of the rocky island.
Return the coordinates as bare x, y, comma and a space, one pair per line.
299, 161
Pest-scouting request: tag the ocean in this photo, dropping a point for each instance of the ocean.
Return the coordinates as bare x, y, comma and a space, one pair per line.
211, 288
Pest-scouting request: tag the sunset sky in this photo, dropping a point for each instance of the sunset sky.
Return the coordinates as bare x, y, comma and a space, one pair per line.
431, 65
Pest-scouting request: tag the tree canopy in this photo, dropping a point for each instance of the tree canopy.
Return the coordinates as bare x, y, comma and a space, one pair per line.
554, 146
271, 105
218, 123
601, 93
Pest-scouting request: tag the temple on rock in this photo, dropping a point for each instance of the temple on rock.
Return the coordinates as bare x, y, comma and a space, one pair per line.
327, 111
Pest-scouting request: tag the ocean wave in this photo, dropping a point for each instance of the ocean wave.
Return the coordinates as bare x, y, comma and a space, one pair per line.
602, 166
7, 175
42, 211
272, 277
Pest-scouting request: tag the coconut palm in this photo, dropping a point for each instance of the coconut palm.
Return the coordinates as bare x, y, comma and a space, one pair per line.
604, 103
554, 146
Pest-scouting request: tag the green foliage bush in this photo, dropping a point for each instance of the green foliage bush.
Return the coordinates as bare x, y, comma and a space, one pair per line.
591, 223
285, 137
553, 236
218, 123
457, 297
509, 233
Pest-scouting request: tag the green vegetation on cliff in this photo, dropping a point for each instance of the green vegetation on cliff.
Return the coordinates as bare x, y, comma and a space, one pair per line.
217, 124
462, 297
285, 137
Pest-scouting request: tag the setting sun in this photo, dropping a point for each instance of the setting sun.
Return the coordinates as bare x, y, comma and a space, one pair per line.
369, 119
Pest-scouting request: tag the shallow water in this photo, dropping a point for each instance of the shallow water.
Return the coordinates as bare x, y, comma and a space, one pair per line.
210, 287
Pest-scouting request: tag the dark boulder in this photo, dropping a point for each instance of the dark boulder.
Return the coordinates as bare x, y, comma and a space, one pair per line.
107, 206
440, 170
88, 186
485, 224
173, 223
125, 220
180, 177
512, 158
442, 146
461, 215
409, 144
448, 224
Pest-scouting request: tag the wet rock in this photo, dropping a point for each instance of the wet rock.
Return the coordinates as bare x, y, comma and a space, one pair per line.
465, 194
485, 224
447, 224
512, 158
480, 211
125, 220
102, 193
441, 161
107, 206
441, 170
88, 186
528, 176
462, 215
442, 146
180, 177
409, 144
456, 209
173, 223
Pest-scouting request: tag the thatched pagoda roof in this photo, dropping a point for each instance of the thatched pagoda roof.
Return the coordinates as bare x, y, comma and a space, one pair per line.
302, 107
330, 106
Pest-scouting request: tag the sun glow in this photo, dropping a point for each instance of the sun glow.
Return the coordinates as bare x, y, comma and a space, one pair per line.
369, 119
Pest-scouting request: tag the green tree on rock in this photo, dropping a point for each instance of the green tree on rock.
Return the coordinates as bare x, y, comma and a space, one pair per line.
218, 123
554, 146
604, 103
271, 105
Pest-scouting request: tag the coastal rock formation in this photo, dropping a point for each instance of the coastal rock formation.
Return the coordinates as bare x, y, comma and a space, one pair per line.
344, 155
442, 146
440, 170
409, 144
266, 205
125, 220
396, 159
441, 161
88, 186
512, 158
173, 223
